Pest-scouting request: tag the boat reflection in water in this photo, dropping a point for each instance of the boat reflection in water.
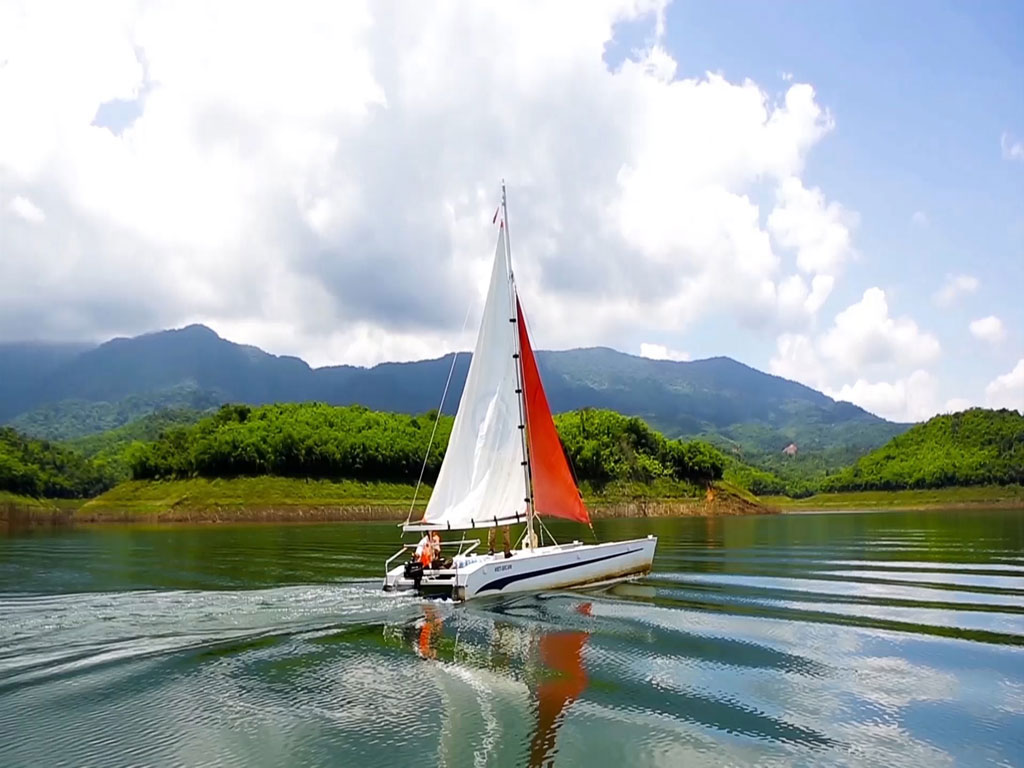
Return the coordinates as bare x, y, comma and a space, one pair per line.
500, 674
561, 653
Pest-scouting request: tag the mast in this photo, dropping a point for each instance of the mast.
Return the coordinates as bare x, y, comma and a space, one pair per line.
527, 480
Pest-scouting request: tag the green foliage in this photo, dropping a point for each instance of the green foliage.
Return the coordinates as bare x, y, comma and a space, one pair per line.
776, 474
911, 498
108, 450
605, 447
42, 469
757, 481
149, 497
975, 447
714, 398
691, 400
295, 440
321, 441
73, 419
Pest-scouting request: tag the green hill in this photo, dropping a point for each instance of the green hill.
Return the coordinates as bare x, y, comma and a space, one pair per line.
39, 468
295, 440
108, 449
315, 462
74, 419
717, 398
605, 448
315, 440
754, 413
27, 367
975, 447
611, 453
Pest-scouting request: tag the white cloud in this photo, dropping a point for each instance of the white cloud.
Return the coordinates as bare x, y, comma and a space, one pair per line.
864, 334
988, 329
27, 210
797, 359
1007, 391
819, 232
1011, 148
795, 300
919, 219
322, 200
954, 287
864, 337
914, 398
661, 352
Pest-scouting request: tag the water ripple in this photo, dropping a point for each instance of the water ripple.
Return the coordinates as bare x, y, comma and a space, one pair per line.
831, 640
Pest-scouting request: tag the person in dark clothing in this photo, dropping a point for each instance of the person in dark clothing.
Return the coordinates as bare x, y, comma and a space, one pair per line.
492, 535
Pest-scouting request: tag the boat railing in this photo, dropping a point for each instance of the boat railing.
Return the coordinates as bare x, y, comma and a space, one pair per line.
473, 544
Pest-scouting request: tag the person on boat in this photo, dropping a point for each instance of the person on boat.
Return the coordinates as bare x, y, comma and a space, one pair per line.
506, 535
435, 548
424, 551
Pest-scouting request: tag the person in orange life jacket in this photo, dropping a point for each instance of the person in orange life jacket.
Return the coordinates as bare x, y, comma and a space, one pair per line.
424, 551
428, 550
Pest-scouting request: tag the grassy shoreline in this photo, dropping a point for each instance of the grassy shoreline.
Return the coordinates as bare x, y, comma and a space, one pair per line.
24, 510
963, 497
279, 499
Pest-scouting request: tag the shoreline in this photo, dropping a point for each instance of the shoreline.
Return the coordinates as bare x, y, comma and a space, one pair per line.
963, 498
157, 503
964, 506
284, 513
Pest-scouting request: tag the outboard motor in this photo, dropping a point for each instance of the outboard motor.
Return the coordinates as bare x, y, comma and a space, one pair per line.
414, 571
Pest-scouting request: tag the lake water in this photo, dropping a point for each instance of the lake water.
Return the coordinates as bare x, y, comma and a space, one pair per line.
817, 639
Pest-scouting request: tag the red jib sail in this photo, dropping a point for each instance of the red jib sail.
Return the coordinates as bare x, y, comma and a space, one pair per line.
554, 492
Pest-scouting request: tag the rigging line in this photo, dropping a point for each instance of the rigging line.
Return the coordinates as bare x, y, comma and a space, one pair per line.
544, 528
440, 410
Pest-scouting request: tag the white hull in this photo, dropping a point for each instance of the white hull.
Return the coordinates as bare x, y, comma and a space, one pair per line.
556, 567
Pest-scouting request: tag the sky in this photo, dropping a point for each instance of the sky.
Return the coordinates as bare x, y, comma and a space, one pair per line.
831, 192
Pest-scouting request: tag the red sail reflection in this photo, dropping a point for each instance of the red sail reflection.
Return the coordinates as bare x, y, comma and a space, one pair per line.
562, 654
564, 676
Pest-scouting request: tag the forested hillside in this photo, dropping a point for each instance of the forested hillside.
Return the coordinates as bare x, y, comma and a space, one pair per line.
605, 447
74, 419
25, 367
322, 441
42, 469
975, 447
296, 440
314, 440
108, 449
717, 399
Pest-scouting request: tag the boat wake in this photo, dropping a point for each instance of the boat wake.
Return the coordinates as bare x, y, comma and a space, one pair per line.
845, 654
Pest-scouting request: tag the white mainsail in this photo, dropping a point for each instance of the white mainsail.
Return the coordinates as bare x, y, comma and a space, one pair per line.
482, 477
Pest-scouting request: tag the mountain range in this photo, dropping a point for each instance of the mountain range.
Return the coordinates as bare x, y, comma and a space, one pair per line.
62, 391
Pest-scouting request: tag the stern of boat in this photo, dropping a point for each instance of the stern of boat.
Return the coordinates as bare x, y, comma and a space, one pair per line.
562, 566
435, 582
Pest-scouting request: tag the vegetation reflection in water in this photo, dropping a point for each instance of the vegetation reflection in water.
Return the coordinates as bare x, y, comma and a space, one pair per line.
850, 639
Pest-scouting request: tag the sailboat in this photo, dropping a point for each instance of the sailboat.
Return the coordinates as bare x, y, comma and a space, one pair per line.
505, 465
